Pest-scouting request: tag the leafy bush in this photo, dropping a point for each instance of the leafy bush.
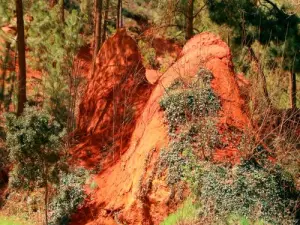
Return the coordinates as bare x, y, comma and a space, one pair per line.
191, 110
184, 102
33, 141
254, 192
70, 194
249, 190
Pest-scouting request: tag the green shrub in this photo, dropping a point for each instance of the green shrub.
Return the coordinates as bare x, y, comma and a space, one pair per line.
249, 190
191, 111
242, 220
251, 193
184, 102
34, 141
70, 194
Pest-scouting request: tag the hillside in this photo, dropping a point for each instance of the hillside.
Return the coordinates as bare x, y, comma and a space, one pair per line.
149, 112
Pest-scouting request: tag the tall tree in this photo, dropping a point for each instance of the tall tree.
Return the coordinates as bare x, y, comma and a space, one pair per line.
293, 90
180, 15
21, 58
98, 27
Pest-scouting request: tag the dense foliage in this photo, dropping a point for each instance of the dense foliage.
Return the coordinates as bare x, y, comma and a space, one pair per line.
255, 190
70, 194
250, 190
33, 141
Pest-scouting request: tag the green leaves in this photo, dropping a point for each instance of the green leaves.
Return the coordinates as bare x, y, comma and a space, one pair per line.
53, 46
250, 191
70, 195
185, 102
34, 141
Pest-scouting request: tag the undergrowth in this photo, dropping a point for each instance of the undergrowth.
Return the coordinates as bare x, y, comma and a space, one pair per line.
70, 194
254, 192
250, 190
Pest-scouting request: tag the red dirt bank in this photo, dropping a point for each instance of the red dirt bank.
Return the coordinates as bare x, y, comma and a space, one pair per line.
123, 196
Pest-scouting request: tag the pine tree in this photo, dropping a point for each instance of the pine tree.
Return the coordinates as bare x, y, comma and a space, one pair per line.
54, 46
267, 24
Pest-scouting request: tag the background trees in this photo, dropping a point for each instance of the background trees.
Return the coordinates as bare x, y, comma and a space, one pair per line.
263, 22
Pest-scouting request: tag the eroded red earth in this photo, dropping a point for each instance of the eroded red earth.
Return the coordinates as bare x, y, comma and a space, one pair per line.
121, 127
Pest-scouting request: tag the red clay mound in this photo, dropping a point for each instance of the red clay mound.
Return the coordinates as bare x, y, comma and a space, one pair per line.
128, 192
113, 101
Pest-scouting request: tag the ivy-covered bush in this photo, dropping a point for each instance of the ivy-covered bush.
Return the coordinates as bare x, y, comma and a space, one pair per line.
184, 102
256, 192
34, 142
191, 111
70, 194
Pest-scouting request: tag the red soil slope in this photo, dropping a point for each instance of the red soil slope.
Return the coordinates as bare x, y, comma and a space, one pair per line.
127, 191
114, 98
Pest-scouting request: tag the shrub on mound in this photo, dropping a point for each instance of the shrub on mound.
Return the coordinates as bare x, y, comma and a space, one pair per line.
256, 190
250, 190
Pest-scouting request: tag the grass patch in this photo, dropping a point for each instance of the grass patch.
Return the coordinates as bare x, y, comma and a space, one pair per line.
187, 212
12, 221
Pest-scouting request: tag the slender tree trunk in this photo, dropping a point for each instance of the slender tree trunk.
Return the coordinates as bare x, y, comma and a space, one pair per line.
21, 58
98, 25
46, 196
262, 76
105, 21
293, 89
189, 20
121, 17
119, 14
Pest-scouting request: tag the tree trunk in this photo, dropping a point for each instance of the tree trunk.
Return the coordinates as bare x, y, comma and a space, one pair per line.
97, 37
46, 195
189, 20
21, 58
105, 21
119, 14
293, 89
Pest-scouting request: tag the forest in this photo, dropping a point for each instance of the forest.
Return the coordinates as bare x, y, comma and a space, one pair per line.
149, 112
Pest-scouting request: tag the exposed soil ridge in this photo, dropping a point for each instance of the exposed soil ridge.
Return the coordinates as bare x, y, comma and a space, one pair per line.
128, 193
